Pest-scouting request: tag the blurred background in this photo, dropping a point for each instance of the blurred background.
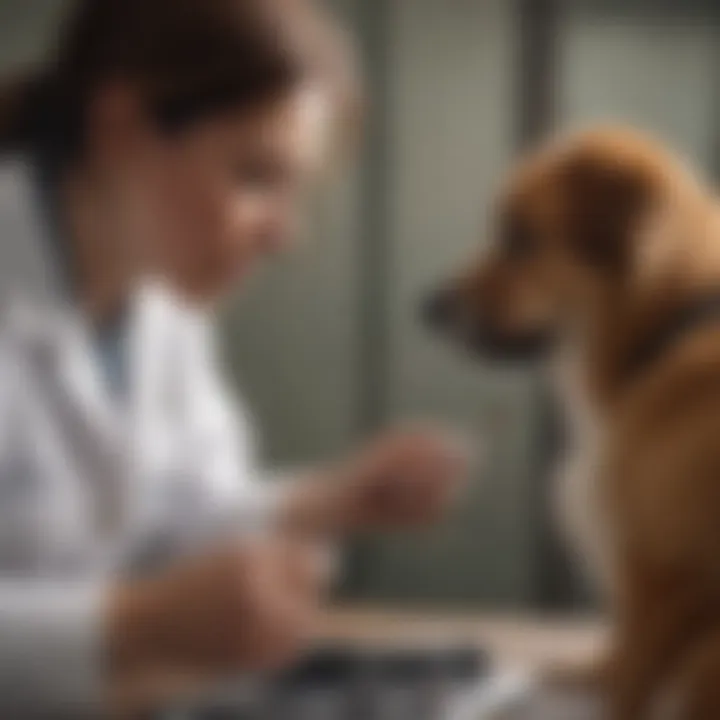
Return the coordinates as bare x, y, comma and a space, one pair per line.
328, 344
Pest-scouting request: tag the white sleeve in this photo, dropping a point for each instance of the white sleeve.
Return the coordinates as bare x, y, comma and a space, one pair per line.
50, 648
223, 446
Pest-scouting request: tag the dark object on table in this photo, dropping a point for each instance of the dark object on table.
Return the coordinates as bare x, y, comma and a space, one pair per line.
352, 684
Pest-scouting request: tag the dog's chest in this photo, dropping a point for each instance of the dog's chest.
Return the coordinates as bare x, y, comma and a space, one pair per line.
577, 486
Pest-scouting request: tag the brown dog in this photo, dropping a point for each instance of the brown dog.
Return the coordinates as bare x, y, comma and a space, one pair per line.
608, 248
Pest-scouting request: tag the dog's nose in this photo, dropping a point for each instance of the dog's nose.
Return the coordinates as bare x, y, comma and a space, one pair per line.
437, 309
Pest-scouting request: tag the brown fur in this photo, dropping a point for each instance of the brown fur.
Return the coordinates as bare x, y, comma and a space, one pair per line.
604, 236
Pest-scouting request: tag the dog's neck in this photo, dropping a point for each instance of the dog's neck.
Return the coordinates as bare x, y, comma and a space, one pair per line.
619, 336
627, 318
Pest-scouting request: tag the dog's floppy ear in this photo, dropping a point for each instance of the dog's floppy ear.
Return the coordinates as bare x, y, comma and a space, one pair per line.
607, 200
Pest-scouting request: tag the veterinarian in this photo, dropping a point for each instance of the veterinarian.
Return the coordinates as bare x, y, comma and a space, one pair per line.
157, 159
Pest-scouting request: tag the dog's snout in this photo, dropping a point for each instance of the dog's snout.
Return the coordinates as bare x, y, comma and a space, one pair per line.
438, 308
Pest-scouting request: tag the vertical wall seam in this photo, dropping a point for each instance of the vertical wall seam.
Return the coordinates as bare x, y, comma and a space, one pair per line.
536, 111
375, 251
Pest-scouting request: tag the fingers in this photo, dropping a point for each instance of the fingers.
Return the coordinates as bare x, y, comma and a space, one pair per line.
419, 499
414, 476
431, 452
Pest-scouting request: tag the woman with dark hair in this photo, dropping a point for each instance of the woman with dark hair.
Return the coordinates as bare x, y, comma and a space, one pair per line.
148, 168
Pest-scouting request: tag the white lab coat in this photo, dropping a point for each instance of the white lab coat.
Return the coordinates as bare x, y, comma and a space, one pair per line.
90, 486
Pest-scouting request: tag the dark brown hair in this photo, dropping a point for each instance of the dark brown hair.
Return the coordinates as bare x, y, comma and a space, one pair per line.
188, 58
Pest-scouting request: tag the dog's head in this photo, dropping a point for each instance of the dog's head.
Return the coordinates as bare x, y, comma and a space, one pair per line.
567, 229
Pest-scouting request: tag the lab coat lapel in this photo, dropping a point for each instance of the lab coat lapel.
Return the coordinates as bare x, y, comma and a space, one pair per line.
117, 446
122, 442
94, 426
57, 345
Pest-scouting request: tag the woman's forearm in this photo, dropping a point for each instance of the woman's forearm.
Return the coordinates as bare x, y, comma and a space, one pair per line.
406, 478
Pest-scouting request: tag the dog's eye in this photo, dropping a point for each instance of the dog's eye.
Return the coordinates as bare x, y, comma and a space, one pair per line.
517, 242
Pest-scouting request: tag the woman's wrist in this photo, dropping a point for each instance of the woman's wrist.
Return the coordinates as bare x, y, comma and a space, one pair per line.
318, 502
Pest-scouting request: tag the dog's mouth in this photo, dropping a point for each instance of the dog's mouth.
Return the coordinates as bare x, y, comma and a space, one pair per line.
530, 347
482, 339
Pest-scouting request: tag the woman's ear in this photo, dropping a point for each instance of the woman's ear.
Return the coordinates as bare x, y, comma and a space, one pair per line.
608, 201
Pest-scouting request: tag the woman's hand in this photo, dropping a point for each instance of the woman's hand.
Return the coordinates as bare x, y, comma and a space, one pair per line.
407, 478
246, 609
